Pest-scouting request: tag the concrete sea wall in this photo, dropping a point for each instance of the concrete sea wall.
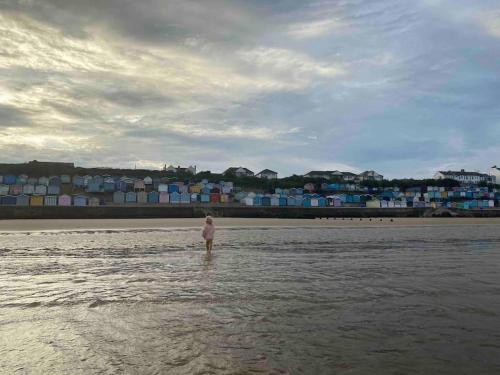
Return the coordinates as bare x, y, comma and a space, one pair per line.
190, 211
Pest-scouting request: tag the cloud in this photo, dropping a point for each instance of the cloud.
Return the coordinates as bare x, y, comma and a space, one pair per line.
291, 86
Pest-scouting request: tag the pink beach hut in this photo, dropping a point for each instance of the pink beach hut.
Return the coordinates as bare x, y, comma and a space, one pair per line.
64, 200
164, 197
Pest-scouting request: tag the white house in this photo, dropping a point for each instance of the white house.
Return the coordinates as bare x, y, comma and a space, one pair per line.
267, 173
495, 174
332, 175
239, 172
370, 176
462, 176
191, 169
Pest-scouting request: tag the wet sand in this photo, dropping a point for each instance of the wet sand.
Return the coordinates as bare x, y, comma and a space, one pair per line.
75, 224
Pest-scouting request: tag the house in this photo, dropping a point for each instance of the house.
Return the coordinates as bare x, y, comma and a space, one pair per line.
349, 176
463, 176
495, 174
191, 169
268, 174
369, 176
239, 172
319, 174
309, 187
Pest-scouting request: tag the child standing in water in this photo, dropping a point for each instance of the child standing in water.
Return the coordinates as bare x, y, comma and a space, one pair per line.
208, 233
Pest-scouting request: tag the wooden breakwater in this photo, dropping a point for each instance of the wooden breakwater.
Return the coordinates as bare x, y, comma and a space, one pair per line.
196, 211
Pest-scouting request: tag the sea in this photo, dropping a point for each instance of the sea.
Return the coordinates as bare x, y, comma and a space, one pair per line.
421, 299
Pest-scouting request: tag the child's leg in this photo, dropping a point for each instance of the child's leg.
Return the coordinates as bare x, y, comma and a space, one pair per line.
207, 244
211, 244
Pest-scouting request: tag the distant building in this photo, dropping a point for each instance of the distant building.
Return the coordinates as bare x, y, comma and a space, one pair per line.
50, 164
191, 169
332, 175
268, 174
495, 174
369, 176
239, 172
463, 176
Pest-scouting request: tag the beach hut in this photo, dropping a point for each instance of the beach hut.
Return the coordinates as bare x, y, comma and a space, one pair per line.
175, 197
172, 188
195, 197
54, 181
54, 190
322, 202
214, 198
78, 181
9, 179
195, 189
131, 197
119, 197
28, 189
86, 179
148, 181
225, 198
374, 203
185, 198
275, 201
306, 201
309, 187
163, 188
43, 181
94, 185
80, 201
15, 189
109, 185
314, 202
164, 197
41, 189
266, 200
121, 185
1, 179
21, 179
290, 201
4, 189
64, 200
65, 179
207, 190
36, 200
32, 181
248, 201
94, 202
22, 200
153, 197
50, 200
8, 200
142, 197
204, 198
139, 185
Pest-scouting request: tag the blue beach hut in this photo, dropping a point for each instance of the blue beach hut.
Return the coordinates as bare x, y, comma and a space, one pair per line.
175, 197
80, 201
54, 190
290, 201
322, 202
282, 201
266, 201
131, 197
257, 200
153, 197
9, 179
173, 189
185, 198
204, 198
78, 181
23, 200
119, 197
306, 202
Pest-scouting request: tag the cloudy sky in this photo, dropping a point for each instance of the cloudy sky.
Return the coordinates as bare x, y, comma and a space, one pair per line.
402, 87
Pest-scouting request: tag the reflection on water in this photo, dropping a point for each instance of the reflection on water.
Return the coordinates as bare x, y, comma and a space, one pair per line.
279, 300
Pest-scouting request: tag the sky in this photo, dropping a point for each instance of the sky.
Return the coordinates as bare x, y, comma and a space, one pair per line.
403, 87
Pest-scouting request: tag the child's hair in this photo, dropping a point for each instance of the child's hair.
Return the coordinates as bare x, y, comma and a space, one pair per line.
209, 219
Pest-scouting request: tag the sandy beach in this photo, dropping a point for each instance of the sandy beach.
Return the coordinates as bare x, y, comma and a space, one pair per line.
75, 224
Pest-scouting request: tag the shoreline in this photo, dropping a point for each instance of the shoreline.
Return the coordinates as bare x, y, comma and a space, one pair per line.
27, 225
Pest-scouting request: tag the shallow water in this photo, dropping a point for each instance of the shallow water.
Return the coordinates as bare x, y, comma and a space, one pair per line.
350, 300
